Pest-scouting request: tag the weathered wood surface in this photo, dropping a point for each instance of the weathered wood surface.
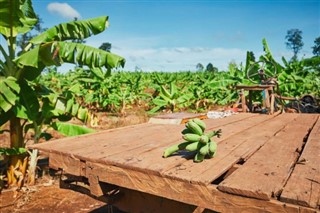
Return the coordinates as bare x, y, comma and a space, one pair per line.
257, 152
176, 118
266, 172
230, 151
303, 187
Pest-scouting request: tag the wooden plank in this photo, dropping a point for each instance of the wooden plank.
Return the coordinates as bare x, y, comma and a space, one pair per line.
303, 187
265, 173
66, 153
230, 151
124, 145
255, 87
146, 138
67, 163
72, 143
180, 115
149, 155
176, 118
198, 195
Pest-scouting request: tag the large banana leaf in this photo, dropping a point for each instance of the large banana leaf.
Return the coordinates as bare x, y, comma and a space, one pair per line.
29, 100
17, 16
8, 93
90, 56
268, 57
314, 61
73, 30
55, 53
71, 129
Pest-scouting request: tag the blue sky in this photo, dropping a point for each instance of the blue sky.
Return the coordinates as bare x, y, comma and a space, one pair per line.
165, 35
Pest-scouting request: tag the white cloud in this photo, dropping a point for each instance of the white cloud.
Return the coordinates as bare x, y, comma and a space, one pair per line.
179, 58
64, 10
152, 53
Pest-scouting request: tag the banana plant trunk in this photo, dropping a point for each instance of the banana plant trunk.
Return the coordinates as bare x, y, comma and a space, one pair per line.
16, 133
17, 163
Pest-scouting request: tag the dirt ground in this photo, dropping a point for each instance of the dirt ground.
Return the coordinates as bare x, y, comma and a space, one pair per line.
46, 196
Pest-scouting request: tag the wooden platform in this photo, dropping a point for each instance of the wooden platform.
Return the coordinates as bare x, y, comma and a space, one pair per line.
265, 163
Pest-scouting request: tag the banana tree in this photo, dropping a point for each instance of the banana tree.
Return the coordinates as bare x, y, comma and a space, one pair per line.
170, 98
52, 47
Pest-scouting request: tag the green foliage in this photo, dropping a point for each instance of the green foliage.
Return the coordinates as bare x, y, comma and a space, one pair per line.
23, 97
316, 47
178, 91
68, 129
170, 98
12, 151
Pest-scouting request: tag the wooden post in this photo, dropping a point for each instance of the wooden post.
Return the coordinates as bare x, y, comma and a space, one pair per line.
267, 97
243, 101
250, 101
272, 103
95, 188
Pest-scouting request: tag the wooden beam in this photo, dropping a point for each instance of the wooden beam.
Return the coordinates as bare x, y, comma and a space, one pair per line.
208, 197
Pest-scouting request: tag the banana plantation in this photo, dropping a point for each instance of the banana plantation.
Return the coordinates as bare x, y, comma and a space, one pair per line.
120, 91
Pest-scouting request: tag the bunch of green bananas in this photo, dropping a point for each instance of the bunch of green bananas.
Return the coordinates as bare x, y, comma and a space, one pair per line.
196, 140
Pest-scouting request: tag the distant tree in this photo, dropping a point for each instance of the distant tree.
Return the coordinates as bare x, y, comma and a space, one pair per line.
136, 68
316, 47
106, 46
294, 41
211, 68
199, 67
251, 56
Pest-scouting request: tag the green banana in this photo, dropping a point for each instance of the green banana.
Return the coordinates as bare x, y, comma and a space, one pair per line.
191, 137
194, 146
186, 131
204, 139
195, 128
172, 149
212, 149
198, 157
200, 123
205, 149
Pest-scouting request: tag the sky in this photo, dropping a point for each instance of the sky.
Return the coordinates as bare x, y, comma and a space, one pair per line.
176, 35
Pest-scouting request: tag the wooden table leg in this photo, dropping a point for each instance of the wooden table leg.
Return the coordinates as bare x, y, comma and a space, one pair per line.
272, 104
267, 98
250, 101
243, 101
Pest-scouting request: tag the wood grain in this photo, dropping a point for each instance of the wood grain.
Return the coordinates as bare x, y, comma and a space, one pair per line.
230, 151
205, 196
149, 157
264, 175
130, 157
303, 187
